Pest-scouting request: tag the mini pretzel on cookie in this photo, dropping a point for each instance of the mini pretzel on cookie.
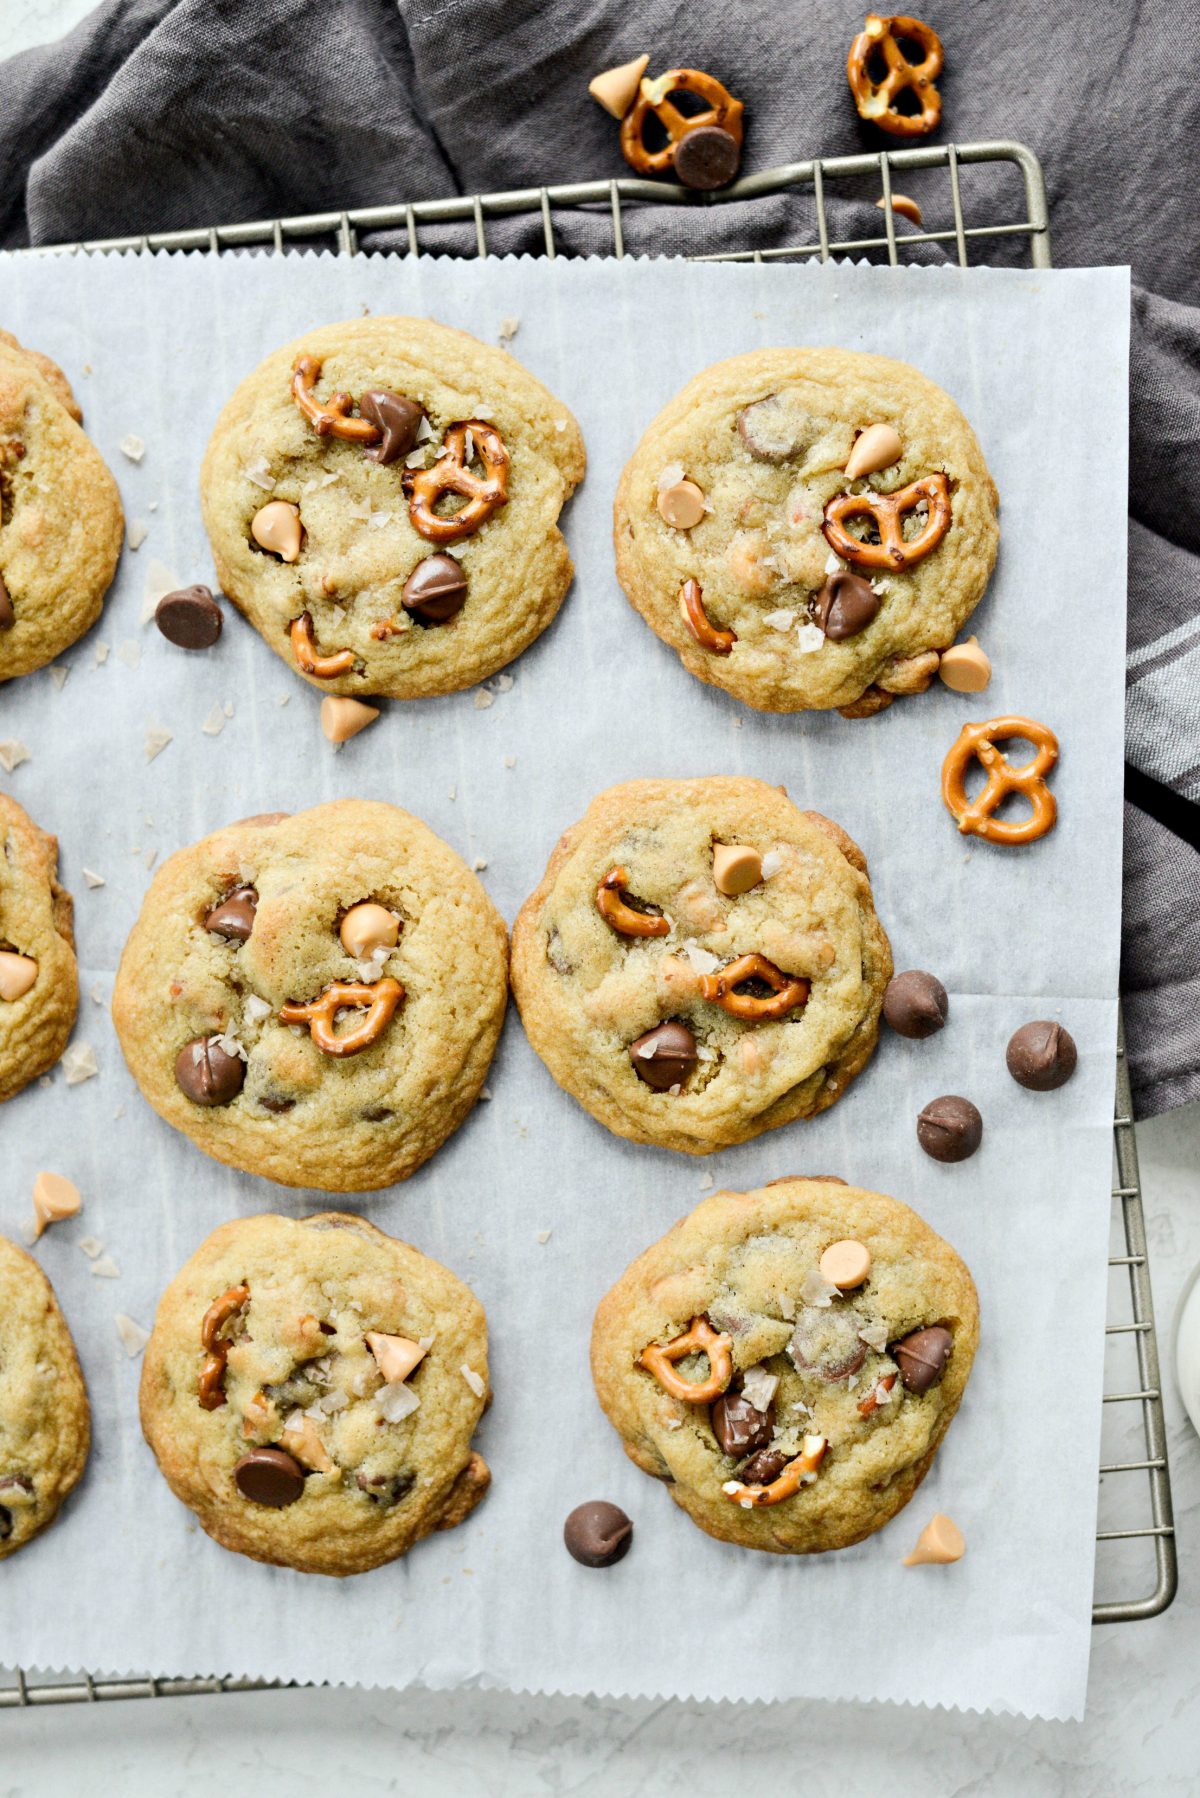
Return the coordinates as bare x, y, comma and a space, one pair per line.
800, 1472
887, 511
977, 742
212, 1375
450, 474
330, 419
654, 100
788, 989
379, 1001
309, 658
881, 40
613, 906
691, 610
699, 1338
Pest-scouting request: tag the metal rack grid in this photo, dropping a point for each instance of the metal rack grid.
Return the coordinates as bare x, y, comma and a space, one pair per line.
1131, 1313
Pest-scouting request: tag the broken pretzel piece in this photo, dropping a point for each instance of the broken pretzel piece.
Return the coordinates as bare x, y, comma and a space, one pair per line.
309, 659
614, 908
212, 1373
788, 990
691, 609
378, 1001
800, 1472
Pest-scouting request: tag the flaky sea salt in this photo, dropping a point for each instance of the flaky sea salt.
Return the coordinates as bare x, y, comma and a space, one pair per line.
105, 1268
781, 620
12, 753
759, 1387
474, 1380
214, 724
157, 738
396, 1402
700, 959
258, 473
79, 1063
133, 447
809, 637
483, 699
875, 1336
159, 580
815, 1290
772, 862
136, 534
670, 476
256, 1009
133, 1337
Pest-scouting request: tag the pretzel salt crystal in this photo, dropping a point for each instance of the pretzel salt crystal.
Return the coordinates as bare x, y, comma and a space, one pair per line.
800, 1472
379, 1001
788, 989
612, 906
309, 658
699, 1338
887, 512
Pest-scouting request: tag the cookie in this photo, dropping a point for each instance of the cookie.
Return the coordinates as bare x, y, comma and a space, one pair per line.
314, 998
39, 983
50, 372
808, 528
44, 1420
61, 522
701, 962
382, 500
788, 1361
310, 1390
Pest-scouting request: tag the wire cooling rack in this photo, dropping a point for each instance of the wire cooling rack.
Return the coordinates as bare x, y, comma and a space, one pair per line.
1136, 1535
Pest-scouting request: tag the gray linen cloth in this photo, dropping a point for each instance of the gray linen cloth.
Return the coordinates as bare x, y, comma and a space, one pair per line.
154, 114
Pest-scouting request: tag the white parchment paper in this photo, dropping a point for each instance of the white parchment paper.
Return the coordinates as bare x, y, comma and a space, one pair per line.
125, 1580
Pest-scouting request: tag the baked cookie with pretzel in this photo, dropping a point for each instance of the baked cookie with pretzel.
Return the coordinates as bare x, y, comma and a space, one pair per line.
39, 981
382, 499
788, 1361
701, 962
808, 529
311, 1388
61, 522
314, 998
45, 1426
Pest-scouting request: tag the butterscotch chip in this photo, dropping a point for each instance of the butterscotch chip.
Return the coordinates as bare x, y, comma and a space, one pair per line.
17, 975
395, 1356
965, 667
907, 208
737, 867
681, 505
877, 447
342, 719
940, 1543
846, 1263
54, 1197
367, 927
276, 527
616, 89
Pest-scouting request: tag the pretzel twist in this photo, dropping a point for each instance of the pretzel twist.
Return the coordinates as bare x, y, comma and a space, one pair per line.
876, 100
613, 908
699, 1338
887, 511
789, 990
800, 1472
974, 817
212, 1374
654, 98
379, 1002
450, 474
872, 1401
691, 610
308, 657
330, 418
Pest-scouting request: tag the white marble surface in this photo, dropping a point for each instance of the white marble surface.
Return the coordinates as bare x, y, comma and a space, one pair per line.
1140, 1733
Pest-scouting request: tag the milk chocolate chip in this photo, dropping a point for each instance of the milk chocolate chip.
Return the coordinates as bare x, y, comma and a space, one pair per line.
1041, 1056
707, 157
436, 590
206, 1074
739, 1427
915, 1004
190, 617
950, 1128
922, 1357
269, 1476
7, 616
665, 1056
597, 1534
234, 916
826, 1341
766, 1466
397, 419
772, 430
845, 605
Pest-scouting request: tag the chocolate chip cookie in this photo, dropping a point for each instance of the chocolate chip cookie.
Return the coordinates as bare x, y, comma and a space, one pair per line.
311, 1389
39, 983
788, 1361
701, 962
61, 522
314, 998
808, 528
382, 498
44, 1419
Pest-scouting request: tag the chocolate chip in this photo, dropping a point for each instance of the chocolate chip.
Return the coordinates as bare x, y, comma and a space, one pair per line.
597, 1534
664, 1056
376, 1114
772, 430
276, 1102
386, 1488
233, 917
6, 1523
922, 1357
190, 617
7, 616
396, 417
950, 1128
766, 1466
1041, 1056
269, 1476
436, 590
206, 1075
739, 1427
826, 1342
707, 156
915, 1004
845, 605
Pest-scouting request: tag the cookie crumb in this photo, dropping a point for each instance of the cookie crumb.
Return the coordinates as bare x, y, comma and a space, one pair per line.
541, 1235
100, 654
510, 761
133, 447
92, 879
508, 330
483, 699
479, 864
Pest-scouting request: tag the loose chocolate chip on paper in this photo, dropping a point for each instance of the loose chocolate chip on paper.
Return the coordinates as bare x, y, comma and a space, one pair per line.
1041, 1055
7, 616
397, 418
739, 1427
436, 590
766, 1466
269, 1476
190, 617
915, 1004
707, 157
950, 1128
922, 1357
597, 1534
665, 1056
845, 605
206, 1075
234, 916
